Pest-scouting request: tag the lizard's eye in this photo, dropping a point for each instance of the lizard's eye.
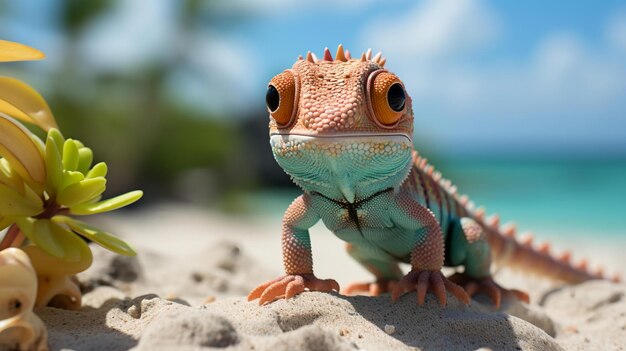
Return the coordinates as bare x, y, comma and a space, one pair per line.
387, 97
281, 98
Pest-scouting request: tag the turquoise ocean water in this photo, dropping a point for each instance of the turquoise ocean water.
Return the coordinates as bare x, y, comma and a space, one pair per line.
566, 199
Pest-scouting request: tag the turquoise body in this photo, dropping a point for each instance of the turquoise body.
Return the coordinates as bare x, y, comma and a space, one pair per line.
353, 183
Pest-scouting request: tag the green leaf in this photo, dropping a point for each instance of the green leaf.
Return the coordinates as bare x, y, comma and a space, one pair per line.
107, 205
53, 239
54, 165
70, 155
99, 170
58, 138
82, 191
85, 157
69, 178
98, 236
12, 203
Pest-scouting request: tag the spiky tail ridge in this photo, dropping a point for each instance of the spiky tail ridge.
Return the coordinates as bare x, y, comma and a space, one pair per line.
507, 250
523, 255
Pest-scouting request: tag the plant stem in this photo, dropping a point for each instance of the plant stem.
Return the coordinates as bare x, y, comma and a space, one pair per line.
12, 238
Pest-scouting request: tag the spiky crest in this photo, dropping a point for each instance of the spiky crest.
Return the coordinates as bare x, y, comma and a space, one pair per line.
343, 55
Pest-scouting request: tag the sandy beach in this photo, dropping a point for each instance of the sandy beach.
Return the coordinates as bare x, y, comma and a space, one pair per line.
186, 291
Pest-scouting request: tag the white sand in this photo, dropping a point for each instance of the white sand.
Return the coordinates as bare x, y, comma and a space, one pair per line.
190, 257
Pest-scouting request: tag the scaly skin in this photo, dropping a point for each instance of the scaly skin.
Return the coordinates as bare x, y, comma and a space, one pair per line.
342, 129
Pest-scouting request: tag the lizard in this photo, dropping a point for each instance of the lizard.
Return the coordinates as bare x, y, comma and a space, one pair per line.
342, 129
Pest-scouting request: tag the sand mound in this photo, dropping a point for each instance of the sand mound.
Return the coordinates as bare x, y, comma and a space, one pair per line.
312, 321
160, 301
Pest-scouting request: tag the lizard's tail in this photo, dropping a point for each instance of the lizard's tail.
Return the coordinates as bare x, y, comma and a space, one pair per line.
507, 250
523, 255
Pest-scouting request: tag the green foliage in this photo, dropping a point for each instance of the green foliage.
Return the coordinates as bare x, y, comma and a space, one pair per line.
77, 13
71, 186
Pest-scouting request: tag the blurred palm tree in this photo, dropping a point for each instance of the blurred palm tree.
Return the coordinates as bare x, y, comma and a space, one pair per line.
131, 120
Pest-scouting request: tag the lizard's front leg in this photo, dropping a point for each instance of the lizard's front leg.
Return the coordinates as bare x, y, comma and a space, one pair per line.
297, 257
426, 256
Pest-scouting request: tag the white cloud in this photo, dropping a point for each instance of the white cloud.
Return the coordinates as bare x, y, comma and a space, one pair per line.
213, 70
435, 28
220, 75
135, 32
616, 30
281, 7
563, 91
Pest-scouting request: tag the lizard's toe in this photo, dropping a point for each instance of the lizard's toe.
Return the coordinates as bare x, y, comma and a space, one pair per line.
277, 289
289, 286
488, 287
422, 281
376, 288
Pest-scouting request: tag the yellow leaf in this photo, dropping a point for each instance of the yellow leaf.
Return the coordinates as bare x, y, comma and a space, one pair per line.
20, 149
10, 178
11, 51
12, 203
20, 96
14, 112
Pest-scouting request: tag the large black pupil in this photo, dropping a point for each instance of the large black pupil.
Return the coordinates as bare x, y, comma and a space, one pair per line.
396, 97
272, 98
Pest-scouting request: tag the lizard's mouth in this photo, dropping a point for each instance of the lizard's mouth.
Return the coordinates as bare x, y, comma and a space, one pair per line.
342, 135
349, 166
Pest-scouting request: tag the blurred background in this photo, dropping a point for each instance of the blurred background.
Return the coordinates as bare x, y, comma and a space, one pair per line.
521, 104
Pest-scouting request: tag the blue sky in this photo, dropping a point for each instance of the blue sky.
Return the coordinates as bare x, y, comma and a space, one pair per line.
530, 77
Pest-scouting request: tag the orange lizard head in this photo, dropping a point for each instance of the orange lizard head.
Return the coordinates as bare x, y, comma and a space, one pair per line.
339, 96
341, 127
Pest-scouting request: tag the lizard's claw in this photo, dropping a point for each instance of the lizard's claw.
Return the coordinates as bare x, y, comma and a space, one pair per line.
420, 281
380, 286
488, 287
289, 286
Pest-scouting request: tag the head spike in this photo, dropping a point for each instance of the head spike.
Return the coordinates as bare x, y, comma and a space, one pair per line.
327, 55
383, 61
377, 57
309, 57
348, 55
340, 56
368, 53
617, 278
363, 58
582, 264
315, 59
